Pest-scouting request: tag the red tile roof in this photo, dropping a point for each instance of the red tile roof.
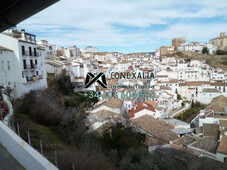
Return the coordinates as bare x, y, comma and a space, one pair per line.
140, 106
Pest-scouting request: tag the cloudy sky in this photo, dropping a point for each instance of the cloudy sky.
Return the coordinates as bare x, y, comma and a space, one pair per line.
128, 25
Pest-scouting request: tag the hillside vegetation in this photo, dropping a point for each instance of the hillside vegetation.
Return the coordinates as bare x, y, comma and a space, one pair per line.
55, 118
218, 61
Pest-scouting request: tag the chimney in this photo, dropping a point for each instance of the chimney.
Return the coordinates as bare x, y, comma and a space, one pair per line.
134, 107
23, 34
222, 34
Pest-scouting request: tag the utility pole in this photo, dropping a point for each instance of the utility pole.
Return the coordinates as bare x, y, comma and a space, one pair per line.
18, 129
41, 147
29, 141
56, 160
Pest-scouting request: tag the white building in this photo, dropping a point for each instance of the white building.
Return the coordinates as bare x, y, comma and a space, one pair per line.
22, 62
72, 52
51, 49
141, 109
89, 49
197, 47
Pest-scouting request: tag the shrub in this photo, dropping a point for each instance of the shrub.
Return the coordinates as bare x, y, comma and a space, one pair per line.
121, 139
221, 52
65, 85
84, 159
85, 140
141, 159
205, 50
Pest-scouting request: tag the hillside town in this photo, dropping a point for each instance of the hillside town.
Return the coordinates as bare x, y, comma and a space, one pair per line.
179, 84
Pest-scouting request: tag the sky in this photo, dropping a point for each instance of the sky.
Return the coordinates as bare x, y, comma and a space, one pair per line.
128, 25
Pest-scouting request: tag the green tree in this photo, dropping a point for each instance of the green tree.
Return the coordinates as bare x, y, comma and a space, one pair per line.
137, 159
221, 52
121, 139
193, 104
205, 50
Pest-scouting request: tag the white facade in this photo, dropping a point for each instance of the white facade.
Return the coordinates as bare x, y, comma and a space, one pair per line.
24, 68
197, 47
145, 112
72, 52
89, 49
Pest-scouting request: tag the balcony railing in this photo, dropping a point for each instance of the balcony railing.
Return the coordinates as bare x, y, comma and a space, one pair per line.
30, 79
28, 66
34, 54
37, 54
34, 66
40, 76
25, 53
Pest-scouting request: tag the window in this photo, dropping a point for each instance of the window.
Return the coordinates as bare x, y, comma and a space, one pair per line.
24, 63
23, 50
36, 62
32, 65
8, 64
35, 52
2, 65
30, 51
225, 159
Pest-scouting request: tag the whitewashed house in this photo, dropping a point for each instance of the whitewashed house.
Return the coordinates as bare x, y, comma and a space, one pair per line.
23, 62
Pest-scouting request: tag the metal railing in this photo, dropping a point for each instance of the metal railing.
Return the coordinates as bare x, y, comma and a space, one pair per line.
34, 66
25, 53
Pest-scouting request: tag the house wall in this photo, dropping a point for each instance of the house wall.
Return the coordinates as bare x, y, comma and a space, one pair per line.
18, 73
221, 157
144, 112
103, 107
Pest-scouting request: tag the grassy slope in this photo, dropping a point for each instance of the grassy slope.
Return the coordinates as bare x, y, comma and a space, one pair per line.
51, 141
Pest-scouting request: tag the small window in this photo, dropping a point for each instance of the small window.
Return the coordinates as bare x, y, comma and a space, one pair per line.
30, 51
8, 64
2, 65
23, 50
35, 53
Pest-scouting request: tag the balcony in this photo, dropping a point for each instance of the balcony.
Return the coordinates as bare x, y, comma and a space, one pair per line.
34, 54
37, 54
30, 79
40, 76
27, 66
34, 66
25, 53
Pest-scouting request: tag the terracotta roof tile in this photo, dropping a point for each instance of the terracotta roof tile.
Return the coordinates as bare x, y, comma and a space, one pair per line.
157, 128
222, 147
